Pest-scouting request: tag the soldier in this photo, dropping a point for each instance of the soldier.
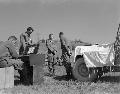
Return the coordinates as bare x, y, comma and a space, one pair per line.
117, 48
65, 54
8, 53
51, 54
25, 40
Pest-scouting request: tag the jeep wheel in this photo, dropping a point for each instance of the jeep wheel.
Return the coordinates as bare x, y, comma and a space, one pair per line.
82, 73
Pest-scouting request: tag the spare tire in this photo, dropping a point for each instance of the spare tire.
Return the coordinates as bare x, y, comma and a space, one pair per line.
82, 73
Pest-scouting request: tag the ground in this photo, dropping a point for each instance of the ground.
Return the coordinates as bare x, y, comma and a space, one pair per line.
108, 84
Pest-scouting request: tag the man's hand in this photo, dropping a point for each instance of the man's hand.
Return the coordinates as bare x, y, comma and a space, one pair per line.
55, 52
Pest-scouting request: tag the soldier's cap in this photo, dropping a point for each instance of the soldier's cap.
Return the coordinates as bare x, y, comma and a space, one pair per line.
30, 28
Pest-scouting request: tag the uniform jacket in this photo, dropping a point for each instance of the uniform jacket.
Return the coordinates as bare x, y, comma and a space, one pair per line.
25, 38
51, 46
8, 50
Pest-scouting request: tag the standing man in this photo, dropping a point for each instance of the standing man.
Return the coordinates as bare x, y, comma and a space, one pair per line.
25, 40
8, 53
65, 54
51, 54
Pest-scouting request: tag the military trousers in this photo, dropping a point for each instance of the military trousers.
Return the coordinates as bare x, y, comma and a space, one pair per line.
51, 63
67, 64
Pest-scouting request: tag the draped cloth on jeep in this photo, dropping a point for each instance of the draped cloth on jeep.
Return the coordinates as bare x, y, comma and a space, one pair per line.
97, 55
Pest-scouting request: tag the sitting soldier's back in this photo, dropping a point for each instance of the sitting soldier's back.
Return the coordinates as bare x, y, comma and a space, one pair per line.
4, 50
8, 52
7, 49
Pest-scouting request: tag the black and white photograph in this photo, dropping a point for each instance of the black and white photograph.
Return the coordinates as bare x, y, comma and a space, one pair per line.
59, 47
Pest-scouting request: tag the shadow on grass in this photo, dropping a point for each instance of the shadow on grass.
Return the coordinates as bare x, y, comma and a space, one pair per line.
64, 77
57, 77
104, 79
113, 79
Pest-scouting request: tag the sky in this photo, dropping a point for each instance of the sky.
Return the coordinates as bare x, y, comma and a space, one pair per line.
94, 21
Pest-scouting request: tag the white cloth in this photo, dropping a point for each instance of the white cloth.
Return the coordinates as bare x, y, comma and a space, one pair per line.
96, 55
31, 50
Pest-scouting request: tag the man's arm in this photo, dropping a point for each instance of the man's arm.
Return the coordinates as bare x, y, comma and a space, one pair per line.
65, 43
48, 44
23, 40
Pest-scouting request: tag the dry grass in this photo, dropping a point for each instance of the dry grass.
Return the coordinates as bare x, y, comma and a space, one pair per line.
66, 87
106, 85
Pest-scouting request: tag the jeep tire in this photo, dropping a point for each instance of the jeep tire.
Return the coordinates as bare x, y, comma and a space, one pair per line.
82, 73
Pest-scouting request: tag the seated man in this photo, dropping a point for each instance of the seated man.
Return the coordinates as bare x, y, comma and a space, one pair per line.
8, 53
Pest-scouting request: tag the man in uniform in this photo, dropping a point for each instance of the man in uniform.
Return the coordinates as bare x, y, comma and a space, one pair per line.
25, 40
65, 54
51, 54
8, 53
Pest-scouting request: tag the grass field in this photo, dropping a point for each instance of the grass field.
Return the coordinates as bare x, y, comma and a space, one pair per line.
105, 85
108, 84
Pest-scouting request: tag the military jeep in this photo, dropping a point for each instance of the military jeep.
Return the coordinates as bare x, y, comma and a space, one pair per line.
91, 62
